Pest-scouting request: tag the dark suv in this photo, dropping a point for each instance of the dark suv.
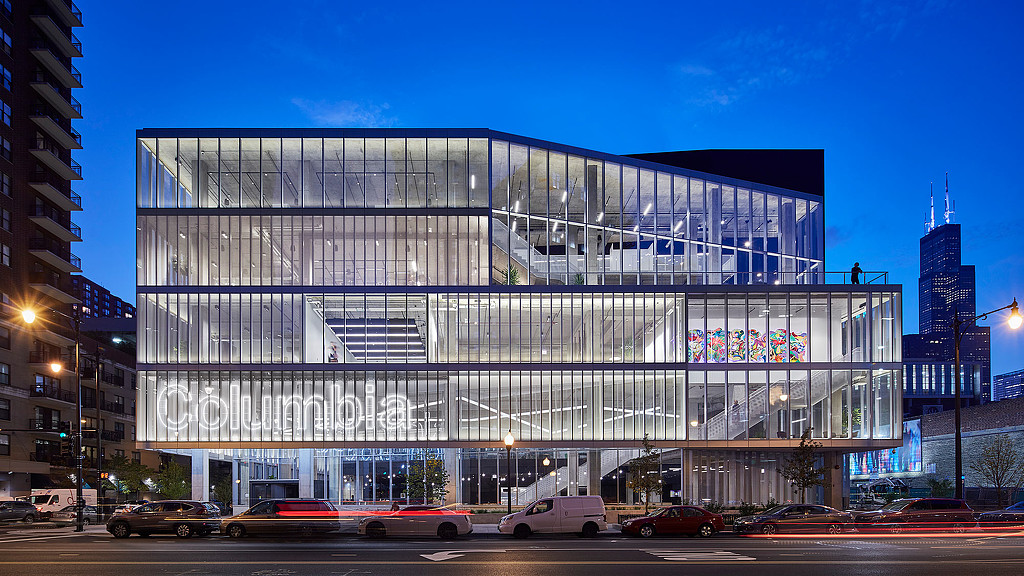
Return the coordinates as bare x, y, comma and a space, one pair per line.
180, 517
18, 510
919, 514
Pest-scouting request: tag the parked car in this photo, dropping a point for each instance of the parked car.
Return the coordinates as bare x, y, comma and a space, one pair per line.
675, 520
225, 509
1011, 517
129, 506
18, 511
583, 515
180, 517
69, 515
795, 518
303, 517
919, 514
417, 521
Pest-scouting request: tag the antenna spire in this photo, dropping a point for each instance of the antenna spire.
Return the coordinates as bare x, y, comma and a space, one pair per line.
929, 224
950, 210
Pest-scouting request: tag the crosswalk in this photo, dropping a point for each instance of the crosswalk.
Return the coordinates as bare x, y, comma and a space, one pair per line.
699, 555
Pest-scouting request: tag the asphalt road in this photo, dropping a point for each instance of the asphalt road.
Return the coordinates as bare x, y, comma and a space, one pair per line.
60, 552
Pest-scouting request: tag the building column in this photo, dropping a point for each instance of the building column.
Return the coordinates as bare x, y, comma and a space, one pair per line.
450, 456
306, 474
834, 480
200, 475
594, 472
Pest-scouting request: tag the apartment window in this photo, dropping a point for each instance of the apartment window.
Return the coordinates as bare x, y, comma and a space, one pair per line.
5, 339
5, 254
5, 184
44, 382
5, 374
5, 219
5, 445
118, 453
5, 409
5, 151
5, 112
5, 41
6, 76
136, 456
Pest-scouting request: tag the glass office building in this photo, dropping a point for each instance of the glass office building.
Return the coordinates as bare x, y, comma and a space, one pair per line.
359, 293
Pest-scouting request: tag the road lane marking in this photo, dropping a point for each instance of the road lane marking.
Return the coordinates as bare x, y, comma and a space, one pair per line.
699, 556
449, 554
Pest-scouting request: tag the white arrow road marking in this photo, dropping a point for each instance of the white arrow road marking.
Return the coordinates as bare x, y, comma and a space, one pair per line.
701, 556
449, 554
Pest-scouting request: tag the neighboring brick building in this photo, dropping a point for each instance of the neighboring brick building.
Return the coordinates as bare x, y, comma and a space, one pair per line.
980, 425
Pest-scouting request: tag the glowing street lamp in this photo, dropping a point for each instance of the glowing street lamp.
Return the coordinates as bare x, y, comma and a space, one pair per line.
75, 321
1014, 321
509, 441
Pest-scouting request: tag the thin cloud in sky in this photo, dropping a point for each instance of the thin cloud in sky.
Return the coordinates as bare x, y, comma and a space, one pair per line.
346, 113
733, 66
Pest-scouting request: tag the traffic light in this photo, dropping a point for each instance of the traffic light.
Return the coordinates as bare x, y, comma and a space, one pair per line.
66, 441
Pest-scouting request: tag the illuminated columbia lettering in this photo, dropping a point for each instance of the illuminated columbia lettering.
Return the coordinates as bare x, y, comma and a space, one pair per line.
331, 414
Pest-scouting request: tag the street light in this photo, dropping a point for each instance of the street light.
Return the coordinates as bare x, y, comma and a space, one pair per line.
509, 441
29, 316
1014, 322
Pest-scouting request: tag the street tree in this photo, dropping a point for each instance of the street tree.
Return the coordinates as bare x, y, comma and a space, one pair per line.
127, 476
427, 479
801, 467
645, 473
1001, 466
174, 482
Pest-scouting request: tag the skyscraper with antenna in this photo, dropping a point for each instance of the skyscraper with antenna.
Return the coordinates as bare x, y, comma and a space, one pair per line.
945, 287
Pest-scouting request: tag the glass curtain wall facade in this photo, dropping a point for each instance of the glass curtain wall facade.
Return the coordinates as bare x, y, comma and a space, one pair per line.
393, 289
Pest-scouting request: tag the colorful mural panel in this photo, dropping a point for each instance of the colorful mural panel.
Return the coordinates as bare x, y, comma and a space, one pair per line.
721, 346
716, 346
737, 346
758, 346
695, 341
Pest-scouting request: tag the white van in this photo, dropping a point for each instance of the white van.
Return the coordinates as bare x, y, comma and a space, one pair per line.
583, 515
53, 499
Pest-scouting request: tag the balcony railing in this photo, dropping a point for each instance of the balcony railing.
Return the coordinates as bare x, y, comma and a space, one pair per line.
74, 39
43, 357
112, 407
112, 379
41, 177
52, 392
45, 277
70, 131
43, 211
55, 248
74, 72
39, 77
106, 435
43, 144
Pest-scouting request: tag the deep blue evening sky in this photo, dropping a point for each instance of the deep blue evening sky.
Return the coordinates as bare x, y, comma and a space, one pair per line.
897, 93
